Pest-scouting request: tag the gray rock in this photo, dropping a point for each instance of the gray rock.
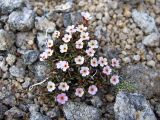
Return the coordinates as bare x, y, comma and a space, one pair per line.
38, 116
157, 109
17, 71
43, 24
14, 113
152, 40
10, 59
30, 56
6, 39
24, 40
66, 7
7, 6
132, 106
40, 69
21, 20
3, 109
144, 21
132, 1
3, 65
53, 113
80, 111
72, 18
9, 100
145, 79
41, 40
35, 115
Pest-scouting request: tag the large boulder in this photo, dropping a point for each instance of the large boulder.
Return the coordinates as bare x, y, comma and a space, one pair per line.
145, 79
80, 111
132, 106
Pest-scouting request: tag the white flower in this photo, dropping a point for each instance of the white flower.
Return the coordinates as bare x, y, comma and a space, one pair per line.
84, 71
63, 48
62, 65
51, 86
107, 70
79, 44
79, 60
115, 62
79, 92
65, 66
93, 44
49, 51
94, 62
66, 38
90, 52
63, 86
43, 56
86, 15
81, 28
102, 61
49, 43
84, 36
114, 79
56, 34
70, 29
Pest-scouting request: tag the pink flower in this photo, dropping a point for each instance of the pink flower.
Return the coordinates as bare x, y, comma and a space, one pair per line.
92, 90
62, 65
63, 48
43, 56
81, 28
90, 52
114, 79
115, 62
66, 38
79, 60
62, 98
49, 51
107, 70
94, 62
84, 36
102, 61
63, 86
79, 92
79, 44
71, 29
84, 71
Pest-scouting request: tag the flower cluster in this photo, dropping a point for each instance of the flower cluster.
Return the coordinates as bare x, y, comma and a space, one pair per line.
76, 63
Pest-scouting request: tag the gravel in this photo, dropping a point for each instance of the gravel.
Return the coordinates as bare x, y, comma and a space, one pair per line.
6, 39
17, 71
